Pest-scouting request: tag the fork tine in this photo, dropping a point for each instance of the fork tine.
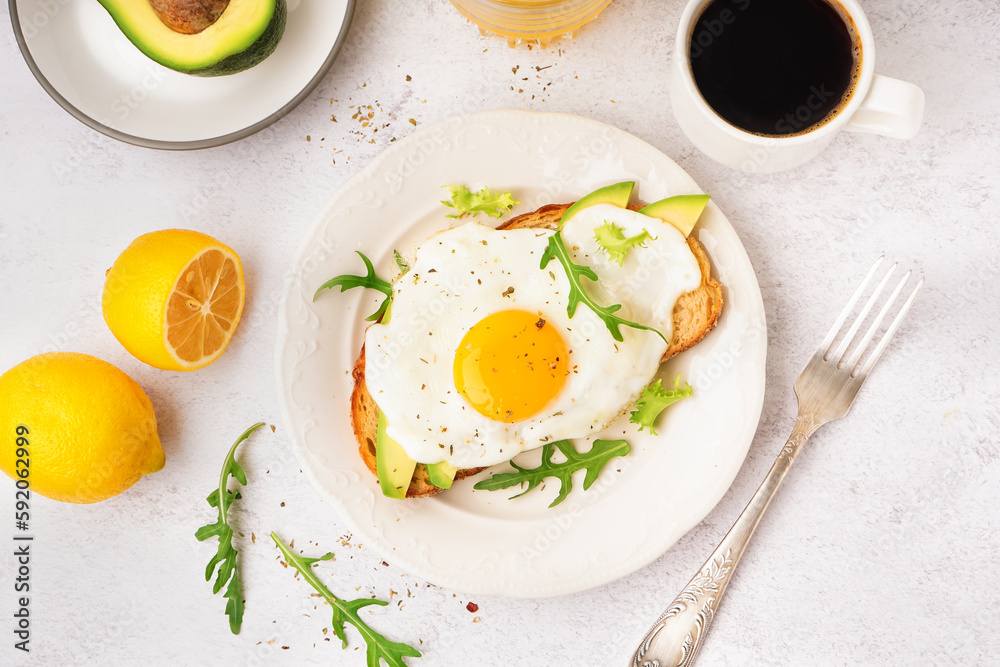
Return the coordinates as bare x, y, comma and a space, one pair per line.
825, 345
891, 331
863, 345
844, 344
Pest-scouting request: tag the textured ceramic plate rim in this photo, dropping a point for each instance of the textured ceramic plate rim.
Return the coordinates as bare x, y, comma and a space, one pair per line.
146, 142
370, 516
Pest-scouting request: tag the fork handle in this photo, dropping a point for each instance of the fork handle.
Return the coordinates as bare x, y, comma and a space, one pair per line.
676, 637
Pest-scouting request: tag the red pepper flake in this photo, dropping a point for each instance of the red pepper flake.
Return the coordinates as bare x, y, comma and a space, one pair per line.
472, 607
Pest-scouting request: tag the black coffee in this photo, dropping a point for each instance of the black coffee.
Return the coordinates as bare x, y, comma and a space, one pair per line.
775, 67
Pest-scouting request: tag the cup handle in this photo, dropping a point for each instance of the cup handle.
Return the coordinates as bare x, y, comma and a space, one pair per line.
892, 108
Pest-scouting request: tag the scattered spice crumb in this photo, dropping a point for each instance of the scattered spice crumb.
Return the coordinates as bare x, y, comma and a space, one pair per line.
476, 619
413, 122
409, 78
472, 607
282, 504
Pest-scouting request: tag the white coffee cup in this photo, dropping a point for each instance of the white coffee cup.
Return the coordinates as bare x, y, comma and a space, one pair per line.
878, 104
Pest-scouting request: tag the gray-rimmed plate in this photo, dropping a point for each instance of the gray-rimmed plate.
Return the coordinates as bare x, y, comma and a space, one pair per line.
89, 67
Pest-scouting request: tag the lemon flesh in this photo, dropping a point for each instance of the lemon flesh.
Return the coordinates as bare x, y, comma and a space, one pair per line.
173, 298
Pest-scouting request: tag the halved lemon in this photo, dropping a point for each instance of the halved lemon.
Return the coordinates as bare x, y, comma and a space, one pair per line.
174, 297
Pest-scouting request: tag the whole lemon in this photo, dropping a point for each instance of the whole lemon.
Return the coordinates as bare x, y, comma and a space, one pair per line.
82, 429
173, 298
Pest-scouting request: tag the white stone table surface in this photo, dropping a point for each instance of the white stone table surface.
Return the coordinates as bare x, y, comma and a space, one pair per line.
881, 548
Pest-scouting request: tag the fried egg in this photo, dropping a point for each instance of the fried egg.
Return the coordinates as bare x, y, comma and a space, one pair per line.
480, 361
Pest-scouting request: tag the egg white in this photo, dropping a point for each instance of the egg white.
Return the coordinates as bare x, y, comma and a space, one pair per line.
462, 275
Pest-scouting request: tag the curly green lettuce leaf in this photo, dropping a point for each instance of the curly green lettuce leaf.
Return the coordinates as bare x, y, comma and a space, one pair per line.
577, 295
222, 499
612, 239
493, 204
379, 648
401, 263
594, 461
348, 281
655, 399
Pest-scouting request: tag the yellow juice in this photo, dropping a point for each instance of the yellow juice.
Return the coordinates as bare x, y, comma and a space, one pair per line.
530, 20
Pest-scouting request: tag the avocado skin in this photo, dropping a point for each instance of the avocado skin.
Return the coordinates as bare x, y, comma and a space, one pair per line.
256, 52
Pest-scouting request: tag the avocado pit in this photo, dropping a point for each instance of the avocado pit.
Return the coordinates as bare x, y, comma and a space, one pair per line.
189, 16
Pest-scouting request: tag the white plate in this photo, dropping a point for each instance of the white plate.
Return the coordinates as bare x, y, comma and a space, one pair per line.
89, 67
479, 541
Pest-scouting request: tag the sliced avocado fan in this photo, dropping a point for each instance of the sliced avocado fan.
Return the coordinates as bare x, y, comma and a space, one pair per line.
617, 194
681, 211
395, 468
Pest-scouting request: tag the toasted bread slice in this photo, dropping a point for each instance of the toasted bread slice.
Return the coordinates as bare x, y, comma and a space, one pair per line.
694, 316
364, 419
695, 312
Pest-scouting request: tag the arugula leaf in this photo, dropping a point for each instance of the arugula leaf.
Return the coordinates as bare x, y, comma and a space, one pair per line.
348, 281
594, 460
655, 399
379, 648
222, 499
612, 238
577, 295
493, 204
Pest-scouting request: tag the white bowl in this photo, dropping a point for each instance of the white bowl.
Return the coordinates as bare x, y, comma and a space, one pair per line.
92, 70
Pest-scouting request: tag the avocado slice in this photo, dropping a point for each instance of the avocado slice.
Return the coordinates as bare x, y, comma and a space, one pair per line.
395, 468
441, 474
244, 34
681, 211
617, 194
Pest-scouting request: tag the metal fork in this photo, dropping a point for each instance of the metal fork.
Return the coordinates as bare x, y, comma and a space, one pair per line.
825, 391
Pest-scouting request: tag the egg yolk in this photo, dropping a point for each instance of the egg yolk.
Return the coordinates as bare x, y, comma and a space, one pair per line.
510, 365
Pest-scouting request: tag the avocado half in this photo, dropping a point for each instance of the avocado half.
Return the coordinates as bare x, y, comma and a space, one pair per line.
245, 33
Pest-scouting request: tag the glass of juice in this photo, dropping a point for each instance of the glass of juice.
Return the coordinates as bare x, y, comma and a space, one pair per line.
530, 21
